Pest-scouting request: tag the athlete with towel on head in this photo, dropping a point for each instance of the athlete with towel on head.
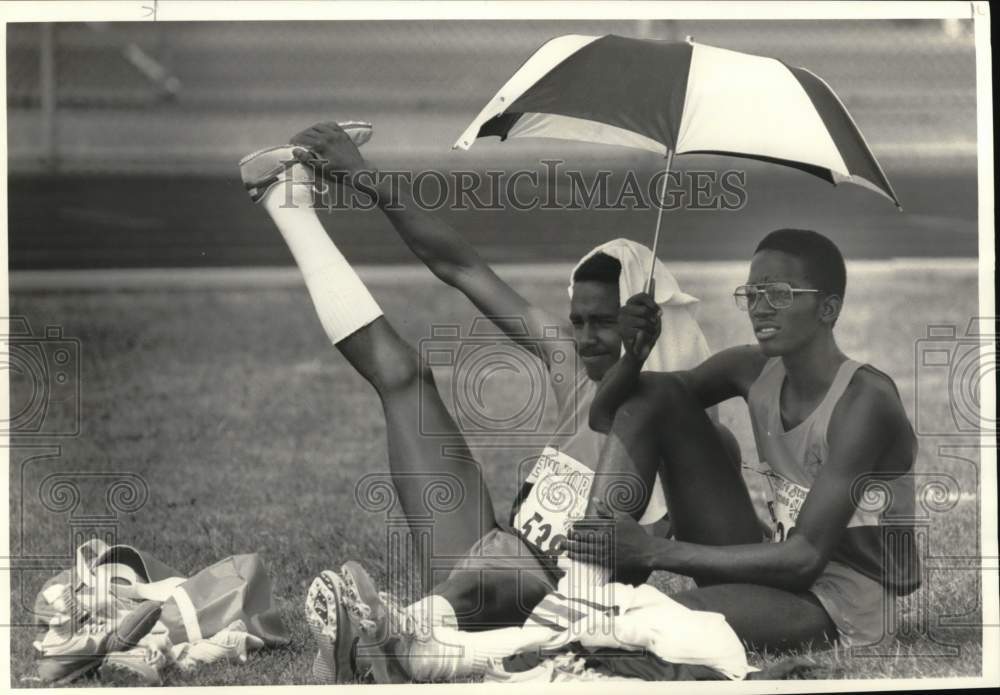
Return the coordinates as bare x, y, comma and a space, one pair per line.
487, 573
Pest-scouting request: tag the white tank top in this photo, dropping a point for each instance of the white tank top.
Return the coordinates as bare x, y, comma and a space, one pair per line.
795, 456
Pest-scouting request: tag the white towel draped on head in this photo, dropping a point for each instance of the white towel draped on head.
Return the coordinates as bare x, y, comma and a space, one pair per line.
681, 344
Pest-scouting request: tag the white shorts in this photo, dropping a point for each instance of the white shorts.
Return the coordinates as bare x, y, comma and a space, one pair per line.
856, 604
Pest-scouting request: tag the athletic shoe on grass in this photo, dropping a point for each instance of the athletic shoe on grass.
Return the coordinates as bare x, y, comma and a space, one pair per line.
335, 634
354, 629
384, 624
139, 666
84, 652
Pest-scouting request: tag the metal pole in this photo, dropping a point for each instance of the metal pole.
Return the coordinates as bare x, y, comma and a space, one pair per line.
47, 94
659, 217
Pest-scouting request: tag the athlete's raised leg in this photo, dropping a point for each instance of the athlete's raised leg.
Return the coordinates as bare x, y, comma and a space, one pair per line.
460, 513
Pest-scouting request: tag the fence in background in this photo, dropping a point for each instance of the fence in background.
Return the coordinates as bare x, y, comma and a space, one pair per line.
193, 97
123, 138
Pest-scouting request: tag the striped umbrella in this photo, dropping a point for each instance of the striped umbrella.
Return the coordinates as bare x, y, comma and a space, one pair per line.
681, 98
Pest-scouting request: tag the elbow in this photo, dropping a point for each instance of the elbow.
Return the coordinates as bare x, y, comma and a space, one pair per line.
804, 577
806, 568
455, 274
600, 422
448, 273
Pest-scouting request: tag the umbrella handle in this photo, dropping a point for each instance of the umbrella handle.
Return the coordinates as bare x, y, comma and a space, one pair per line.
659, 217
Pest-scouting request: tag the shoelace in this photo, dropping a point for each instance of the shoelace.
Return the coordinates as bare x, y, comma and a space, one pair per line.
403, 623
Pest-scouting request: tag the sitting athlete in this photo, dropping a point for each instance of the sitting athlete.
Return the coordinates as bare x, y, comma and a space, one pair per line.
485, 574
825, 426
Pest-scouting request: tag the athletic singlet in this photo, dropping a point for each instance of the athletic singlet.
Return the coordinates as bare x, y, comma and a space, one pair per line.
571, 455
795, 458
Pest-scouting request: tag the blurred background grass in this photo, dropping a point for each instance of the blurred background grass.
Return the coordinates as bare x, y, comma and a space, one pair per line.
123, 138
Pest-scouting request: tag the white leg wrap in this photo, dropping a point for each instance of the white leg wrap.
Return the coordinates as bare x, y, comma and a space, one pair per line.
342, 301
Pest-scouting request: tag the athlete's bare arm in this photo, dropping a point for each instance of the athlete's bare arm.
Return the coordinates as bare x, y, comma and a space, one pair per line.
441, 248
868, 431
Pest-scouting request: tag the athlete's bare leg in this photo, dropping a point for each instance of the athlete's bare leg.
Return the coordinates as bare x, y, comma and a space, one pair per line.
458, 516
438, 481
766, 618
663, 426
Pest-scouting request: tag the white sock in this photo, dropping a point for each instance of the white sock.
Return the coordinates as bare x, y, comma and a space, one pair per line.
342, 301
429, 612
442, 652
452, 653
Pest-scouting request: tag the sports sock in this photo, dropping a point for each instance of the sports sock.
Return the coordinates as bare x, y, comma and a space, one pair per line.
342, 301
439, 651
452, 654
431, 611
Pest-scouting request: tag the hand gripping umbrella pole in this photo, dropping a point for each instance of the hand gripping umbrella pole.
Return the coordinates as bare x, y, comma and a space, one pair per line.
659, 218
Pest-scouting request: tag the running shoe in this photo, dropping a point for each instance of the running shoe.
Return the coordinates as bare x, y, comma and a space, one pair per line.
84, 652
262, 169
138, 666
382, 624
335, 634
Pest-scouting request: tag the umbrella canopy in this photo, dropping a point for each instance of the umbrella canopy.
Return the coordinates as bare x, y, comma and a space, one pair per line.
681, 98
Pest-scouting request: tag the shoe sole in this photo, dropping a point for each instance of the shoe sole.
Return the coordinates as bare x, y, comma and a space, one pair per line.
379, 624
322, 618
326, 612
362, 600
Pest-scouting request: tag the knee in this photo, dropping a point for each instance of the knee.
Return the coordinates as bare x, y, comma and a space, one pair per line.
656, 393
731, 445
671, 390
693, 599
399, 369
644, 402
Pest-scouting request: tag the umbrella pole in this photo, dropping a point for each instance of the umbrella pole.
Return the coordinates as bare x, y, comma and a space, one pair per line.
659, 217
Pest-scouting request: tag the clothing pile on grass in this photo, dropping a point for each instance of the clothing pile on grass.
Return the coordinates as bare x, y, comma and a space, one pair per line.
121, 614
622, 632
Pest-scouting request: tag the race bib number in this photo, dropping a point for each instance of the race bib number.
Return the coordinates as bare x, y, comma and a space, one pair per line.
788, 499
558, 497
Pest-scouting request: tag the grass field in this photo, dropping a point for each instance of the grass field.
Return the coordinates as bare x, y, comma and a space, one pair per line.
251, 431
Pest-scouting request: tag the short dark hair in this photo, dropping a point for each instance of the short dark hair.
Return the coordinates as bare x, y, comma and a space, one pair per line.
823, 261
599, 268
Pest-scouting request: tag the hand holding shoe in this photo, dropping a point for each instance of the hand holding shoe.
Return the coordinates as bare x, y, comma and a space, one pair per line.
331, 149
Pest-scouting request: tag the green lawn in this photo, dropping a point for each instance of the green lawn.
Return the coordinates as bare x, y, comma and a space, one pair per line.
250, 431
